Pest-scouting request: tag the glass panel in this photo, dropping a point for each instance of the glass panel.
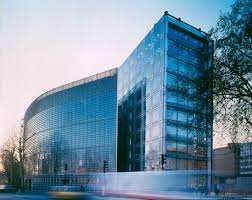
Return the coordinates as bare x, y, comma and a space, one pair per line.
202, 151
192, 134
156, 99
171, 80
192, 150
181, 164
190, 164
156, 82
182, 117
171, 163
171, 146
172, 97
181, 147
171, 131
147, 134
148, 88
202, 137
148, 103
182, 133
182, 100
172, 64
201, 165
148, 118
156, 131
156, 115
171, 114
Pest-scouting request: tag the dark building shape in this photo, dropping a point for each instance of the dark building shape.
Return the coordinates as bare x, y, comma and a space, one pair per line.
232, 168
246, 159
130, 129
74, 124
233, 160
226, 161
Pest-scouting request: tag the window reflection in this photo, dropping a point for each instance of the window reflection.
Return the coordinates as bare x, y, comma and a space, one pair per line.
171, 80
172, 146
172, 64
172, 97
171, 114
171, 131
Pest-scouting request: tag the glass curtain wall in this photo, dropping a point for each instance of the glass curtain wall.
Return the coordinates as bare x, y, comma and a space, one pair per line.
75, 127
160, 108
187, 111
140, 103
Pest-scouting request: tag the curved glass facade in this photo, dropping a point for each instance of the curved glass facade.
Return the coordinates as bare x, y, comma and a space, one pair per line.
73, 125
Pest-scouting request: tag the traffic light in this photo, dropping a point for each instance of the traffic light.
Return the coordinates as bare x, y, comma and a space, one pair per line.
163, 160
65, 180
105, 166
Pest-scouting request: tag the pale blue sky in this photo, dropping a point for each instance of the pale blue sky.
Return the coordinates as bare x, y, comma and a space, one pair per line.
47, 43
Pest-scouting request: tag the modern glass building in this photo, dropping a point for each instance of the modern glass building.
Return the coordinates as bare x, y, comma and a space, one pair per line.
161, 111
148, 115
73, 125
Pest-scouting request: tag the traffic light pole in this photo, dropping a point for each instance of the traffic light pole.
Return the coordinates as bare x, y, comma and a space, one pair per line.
105, 166
65, 179
163, 161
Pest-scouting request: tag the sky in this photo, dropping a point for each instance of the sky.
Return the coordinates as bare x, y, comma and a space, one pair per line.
48, 43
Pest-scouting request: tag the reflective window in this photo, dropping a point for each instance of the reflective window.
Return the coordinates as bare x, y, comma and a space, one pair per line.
172, 97
181, 164
181, 147
171, 131
71, 126
156, 115
172, 64
156, 131
182, 116
171, 80
171, 146
182, 133
171, 163
171, 114
148, 118
156, 98
156, 82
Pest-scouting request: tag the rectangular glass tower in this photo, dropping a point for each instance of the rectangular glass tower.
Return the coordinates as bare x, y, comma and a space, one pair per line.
161, 111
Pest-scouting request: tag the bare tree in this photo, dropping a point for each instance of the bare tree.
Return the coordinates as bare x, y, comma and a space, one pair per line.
10, 160
232, 72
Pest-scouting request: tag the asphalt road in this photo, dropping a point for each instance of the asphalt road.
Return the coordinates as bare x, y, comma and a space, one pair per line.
27, 196
16, 196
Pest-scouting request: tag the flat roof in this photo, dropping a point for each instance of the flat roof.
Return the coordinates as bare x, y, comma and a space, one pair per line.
179, 20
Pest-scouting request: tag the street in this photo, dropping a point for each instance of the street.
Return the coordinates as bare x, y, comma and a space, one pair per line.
21, 196
44, 196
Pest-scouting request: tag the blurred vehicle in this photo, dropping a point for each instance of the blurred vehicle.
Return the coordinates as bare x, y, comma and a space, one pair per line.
7, 188
68, 193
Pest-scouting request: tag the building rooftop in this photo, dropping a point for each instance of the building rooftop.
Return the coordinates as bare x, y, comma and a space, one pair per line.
95, 77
